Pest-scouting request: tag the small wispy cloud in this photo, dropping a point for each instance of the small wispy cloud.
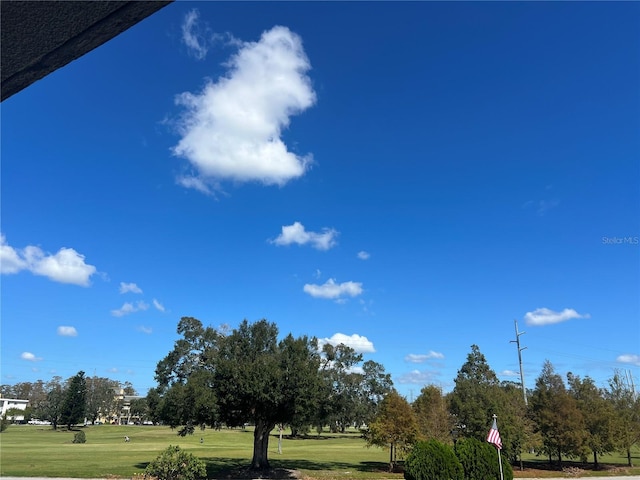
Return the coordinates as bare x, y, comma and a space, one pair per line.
541, 207
232, 129
417, 377
30, 357
332, 290
423, 357
129, 308
546, 316
359, 343
146, 330
65, 266
158, 305
194, 35
629, 358
65, 331
362, 255
129, 287
297, 234
509, 373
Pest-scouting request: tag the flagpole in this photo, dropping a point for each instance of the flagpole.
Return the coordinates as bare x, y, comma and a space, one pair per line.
495, 421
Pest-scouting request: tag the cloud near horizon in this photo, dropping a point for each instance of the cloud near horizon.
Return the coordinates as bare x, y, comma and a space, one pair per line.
158, 305
417, 377
232, 129
334, 291
421, 358
129, 287
30, 357
65, 331
629, 358
66, 266
545, 316
129, 307
297, 234
359, 343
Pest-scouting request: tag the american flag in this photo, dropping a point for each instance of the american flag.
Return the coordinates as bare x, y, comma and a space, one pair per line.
494, 436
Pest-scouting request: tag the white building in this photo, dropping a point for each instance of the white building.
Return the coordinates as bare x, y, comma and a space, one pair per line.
9, 403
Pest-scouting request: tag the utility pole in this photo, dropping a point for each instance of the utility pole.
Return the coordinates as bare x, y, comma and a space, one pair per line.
517, 342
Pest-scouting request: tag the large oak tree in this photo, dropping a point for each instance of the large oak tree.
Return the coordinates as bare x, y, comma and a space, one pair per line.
245, 376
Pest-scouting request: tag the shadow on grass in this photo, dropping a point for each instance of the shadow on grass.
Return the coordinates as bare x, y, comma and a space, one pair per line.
234, 468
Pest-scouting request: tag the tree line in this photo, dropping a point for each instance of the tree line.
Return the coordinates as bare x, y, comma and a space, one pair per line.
573, 419
72, 401
217, 377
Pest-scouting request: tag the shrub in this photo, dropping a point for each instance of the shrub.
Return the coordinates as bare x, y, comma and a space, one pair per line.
80, 437
432, 460
174, 464
4, 423
480, 460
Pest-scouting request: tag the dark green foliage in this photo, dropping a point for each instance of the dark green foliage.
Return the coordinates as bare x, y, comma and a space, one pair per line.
243, 376
175, 464
4, 423
557, 417
75, 401
480, 460
80, 437
432, 460
474, 398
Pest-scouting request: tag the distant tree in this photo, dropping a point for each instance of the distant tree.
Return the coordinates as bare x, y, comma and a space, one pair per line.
516, 427
375, 385
556, 416
340, 404
128, 389
4, 423
139, 408
351, 393
249, 374
474, 398
598, 415
74, 404
393, 427
101, 397
50, 408
432, 414
626, 405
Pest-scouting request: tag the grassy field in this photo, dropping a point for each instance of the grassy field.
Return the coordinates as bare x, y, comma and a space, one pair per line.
27, 450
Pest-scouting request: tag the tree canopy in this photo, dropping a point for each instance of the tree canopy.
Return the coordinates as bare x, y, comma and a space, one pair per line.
247, 375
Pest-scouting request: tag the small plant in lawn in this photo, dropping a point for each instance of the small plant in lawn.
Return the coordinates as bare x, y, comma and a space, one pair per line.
175, 464
80, 437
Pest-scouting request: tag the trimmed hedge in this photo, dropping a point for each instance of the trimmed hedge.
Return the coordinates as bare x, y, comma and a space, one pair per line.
432, 460
480, 460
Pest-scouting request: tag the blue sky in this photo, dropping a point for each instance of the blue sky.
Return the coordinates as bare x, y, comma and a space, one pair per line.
408, 178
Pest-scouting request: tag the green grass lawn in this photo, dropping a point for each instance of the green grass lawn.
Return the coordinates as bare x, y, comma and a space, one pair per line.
29, 450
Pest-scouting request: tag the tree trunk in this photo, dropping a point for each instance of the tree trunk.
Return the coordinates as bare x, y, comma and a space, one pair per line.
391, 457
595, 460
629, 457
261, 445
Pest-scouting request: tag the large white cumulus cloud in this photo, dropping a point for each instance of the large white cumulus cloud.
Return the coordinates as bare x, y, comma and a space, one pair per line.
231, 130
